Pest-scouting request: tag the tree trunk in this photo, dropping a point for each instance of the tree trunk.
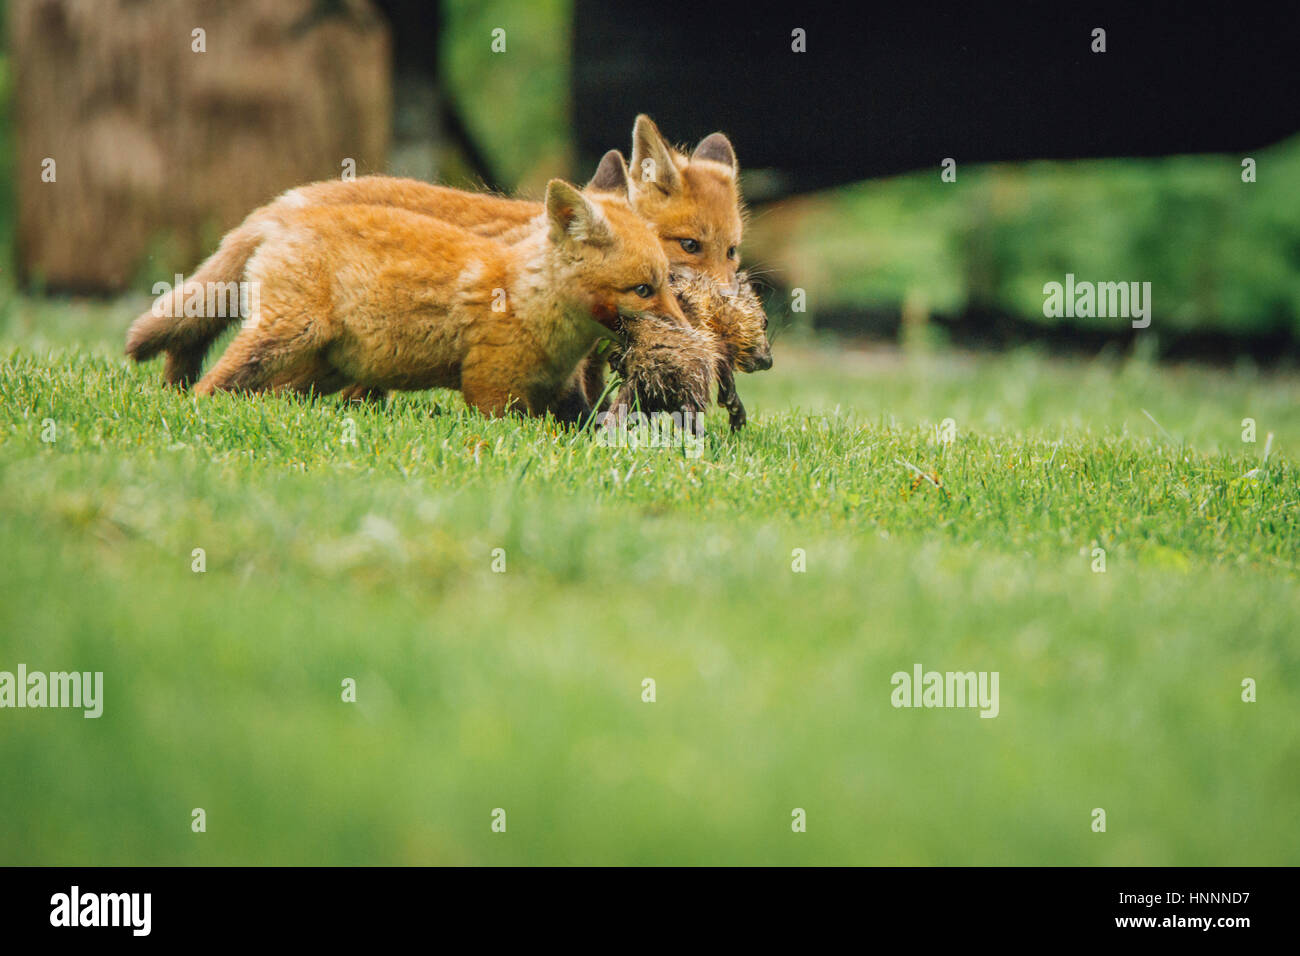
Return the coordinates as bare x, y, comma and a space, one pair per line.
147, 128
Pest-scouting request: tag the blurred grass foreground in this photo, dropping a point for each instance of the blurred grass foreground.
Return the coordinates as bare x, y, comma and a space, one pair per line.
498, 593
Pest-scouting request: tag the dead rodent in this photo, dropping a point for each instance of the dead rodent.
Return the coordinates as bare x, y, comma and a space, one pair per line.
734, 316
665, 367
738, 325
668, 368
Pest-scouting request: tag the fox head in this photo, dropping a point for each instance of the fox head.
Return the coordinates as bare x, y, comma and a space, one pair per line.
613, 262
693, 202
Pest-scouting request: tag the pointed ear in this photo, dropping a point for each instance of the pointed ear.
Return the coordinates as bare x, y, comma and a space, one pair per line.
652, 158
611, 175
716, 147
573, 216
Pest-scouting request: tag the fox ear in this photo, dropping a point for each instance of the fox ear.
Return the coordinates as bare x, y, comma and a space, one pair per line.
716, 147
574, 216
611, 174
652, 158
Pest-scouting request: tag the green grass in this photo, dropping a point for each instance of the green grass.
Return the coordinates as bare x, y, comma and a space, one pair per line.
522, 690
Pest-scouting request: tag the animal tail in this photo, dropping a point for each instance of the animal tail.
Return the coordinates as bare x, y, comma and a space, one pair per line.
187, 338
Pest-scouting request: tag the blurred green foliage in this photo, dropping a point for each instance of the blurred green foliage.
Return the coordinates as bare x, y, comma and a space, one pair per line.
1218, 252
515, 103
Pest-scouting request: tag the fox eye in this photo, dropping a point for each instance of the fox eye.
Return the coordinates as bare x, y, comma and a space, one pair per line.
643, 290
731, 252
690, 245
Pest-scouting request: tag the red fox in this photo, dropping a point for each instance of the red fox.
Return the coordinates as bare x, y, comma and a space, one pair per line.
693, 202
386, 298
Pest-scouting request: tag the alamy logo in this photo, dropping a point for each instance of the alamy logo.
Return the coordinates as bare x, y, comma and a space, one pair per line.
102, 909
75, 689
1086, 300
946, 689
241, 300
631, 428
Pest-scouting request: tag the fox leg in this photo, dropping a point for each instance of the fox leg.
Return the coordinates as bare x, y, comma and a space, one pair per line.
485, 388
313, 375
262, 355
186, 338
183, 366
592, 374
362, 393
571, 406
727, 396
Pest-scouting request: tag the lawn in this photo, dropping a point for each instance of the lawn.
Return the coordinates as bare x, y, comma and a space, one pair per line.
479, 688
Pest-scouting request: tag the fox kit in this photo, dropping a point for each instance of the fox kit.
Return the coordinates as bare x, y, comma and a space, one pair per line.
693, 203
390, 299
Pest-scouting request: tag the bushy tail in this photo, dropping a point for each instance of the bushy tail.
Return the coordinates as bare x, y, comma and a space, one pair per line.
186, 339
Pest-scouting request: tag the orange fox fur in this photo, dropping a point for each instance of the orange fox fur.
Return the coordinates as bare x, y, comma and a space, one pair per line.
692, 202
391, 299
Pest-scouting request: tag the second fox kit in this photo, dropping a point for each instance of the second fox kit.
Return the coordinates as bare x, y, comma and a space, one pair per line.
693, 203
390, 299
